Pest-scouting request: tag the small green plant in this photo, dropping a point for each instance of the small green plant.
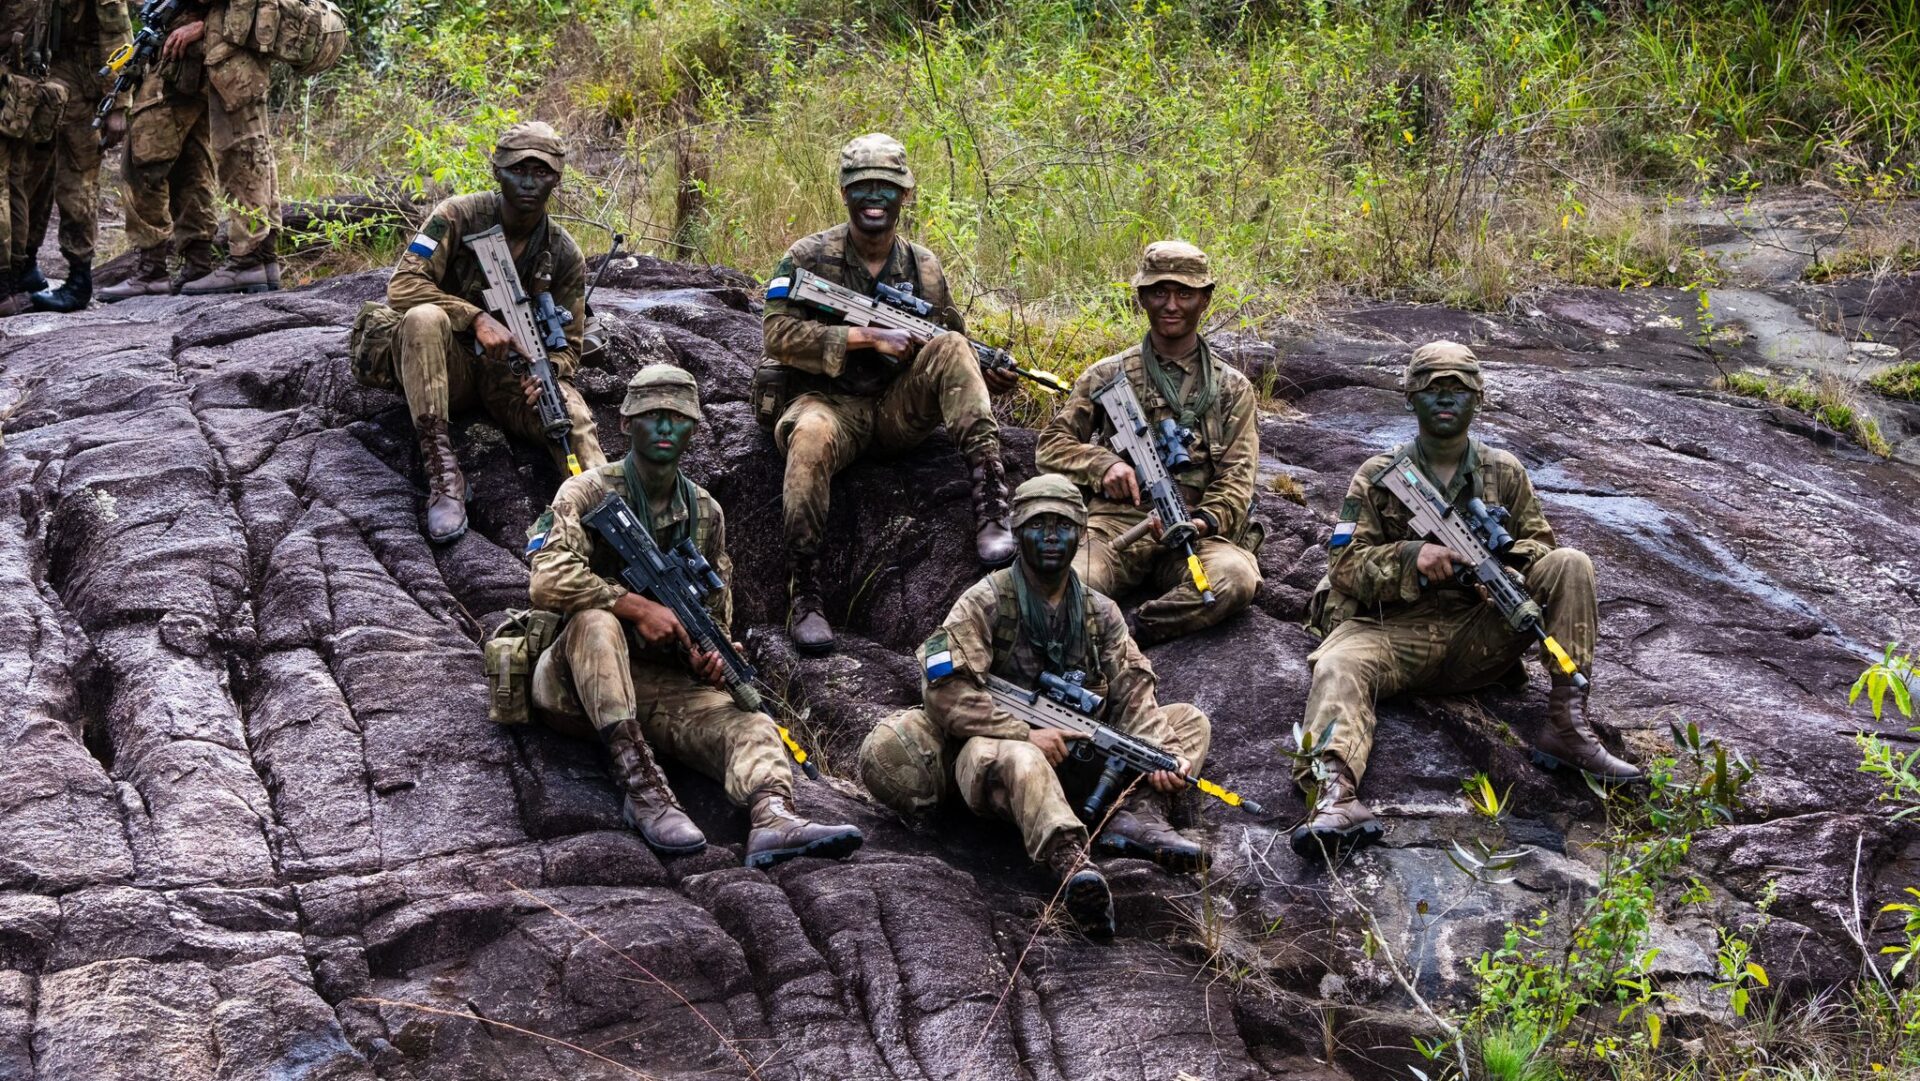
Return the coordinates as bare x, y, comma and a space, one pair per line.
1898, 381
1829, 401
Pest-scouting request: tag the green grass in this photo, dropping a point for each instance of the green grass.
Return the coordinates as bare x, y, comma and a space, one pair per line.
1899, 381
1829, 401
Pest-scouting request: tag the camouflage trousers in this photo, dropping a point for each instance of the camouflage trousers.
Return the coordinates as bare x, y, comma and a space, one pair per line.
76, 157
1446, 643
29, 177
168, 167
590, 675
1232, 571
240, 138
822, 434
910, 766
440, 373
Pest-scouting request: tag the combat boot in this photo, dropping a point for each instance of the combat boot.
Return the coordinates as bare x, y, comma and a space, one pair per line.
1338, 820
1082, 887
992, 509
779, 835
447, 490
807, 622
149, 278
1567, 741
649, 805
235, 278
74, 293
197, 260
13, 300
1140, 829
28, 278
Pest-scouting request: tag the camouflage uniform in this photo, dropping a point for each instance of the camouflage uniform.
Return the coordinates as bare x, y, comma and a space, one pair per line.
959, 741
239, 134
1217, 486
169, 173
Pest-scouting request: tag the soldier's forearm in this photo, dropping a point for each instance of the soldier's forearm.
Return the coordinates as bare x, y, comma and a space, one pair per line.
805, 344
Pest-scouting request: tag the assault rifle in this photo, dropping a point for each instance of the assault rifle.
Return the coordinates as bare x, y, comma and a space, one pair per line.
1066, 705
1153, 451
1480, 536
536, 325
893, 308
130, 61
682, 579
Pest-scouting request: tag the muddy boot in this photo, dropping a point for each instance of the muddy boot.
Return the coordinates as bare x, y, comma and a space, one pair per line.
650, 806
1083, 889
1339, 821
807, 622
74, 293
197, 260
446, 486
149, 278
992, 509
12, 300
235, 278
28, 278
1567, 741
1140, 829
779, 835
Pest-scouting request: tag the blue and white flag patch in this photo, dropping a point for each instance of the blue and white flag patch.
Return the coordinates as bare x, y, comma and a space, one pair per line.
423, 246
939, 665
778, 288
536, 542
1342, 535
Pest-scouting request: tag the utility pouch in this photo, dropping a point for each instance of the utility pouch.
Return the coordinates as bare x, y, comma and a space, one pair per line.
510, 656
370, 346
49, 112
1328, 608
19, 98
769, 394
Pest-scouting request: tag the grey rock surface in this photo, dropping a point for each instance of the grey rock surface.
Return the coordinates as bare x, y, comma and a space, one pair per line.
254, 822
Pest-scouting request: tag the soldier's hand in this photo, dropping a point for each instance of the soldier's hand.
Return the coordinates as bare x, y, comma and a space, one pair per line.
1053, 743
1436, 562
1000, 381
893, 343
654, 622
1122, 483
709, 668
114, 130
530, 389
493, 337
182, 39
1167, 780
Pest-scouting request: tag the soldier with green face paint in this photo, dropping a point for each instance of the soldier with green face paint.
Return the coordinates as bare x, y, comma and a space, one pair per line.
1394, 619
624, 664
1036, 617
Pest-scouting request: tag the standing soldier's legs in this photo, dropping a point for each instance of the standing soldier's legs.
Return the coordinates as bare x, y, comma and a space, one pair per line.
12, 299
907, 763
243, 159
820, 435
437, 374
32, 184
76, 190
943, 385
1233, 573
157, 153
1105, 568
506, 403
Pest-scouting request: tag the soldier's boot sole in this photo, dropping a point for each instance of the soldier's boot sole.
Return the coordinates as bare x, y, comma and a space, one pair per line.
1311, 844
1180, 861
1553, 764
1090, 902
831, 847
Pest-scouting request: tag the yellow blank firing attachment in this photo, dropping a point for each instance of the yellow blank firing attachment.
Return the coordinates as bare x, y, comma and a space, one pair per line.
1199, 577
1559, 655
1231, 799
573, 464
799, 755
118, 60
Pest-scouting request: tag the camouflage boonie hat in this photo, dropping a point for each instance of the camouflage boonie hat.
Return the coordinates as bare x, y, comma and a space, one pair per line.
662, 386
1435, 359
1049, 493
530, 139
1173, 261
875, 157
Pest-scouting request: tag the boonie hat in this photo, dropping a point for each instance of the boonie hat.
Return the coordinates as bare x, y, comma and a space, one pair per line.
662, 386
1435, 359
1173, 261
875, 157
1049, 493
531, 139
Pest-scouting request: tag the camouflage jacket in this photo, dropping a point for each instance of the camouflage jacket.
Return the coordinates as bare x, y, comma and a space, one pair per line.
803, 339
438, 269
88, 32
572, 572
983, 634
1372, 552
1218, 485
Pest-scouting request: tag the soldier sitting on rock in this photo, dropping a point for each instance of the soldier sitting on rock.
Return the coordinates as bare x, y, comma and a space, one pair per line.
434, 317
626, 663
1175, 376
1037, 616
832, 393
1395, 620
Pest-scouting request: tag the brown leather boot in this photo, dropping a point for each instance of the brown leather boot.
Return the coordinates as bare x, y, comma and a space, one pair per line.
446, 486
1566, 741
779, 835
1084, 889
1140, 829
250, 277
807, 622
197, 260
149, 278
12, 300
649, 805
1338, 820
992, 509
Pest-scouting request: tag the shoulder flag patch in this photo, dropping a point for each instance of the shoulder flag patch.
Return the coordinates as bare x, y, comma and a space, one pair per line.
537, 534
939, 654
778, 288
1342, 535
423, 246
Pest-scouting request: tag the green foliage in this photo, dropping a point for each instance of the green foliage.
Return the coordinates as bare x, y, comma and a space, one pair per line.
1898, 381
1829, 401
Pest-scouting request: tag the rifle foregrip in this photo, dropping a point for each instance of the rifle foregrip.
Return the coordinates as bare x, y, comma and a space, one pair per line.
1109, 780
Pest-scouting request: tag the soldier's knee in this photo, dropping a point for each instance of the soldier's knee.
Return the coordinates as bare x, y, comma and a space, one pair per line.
900, 764
424, 321
1565, 562
811, 434
1019, 761
598, 628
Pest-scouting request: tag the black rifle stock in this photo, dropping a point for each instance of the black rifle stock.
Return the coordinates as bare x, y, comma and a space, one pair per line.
893, 308
682, 579
1480, 540
1152, 451
536, 325
1069, 707
130, 61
